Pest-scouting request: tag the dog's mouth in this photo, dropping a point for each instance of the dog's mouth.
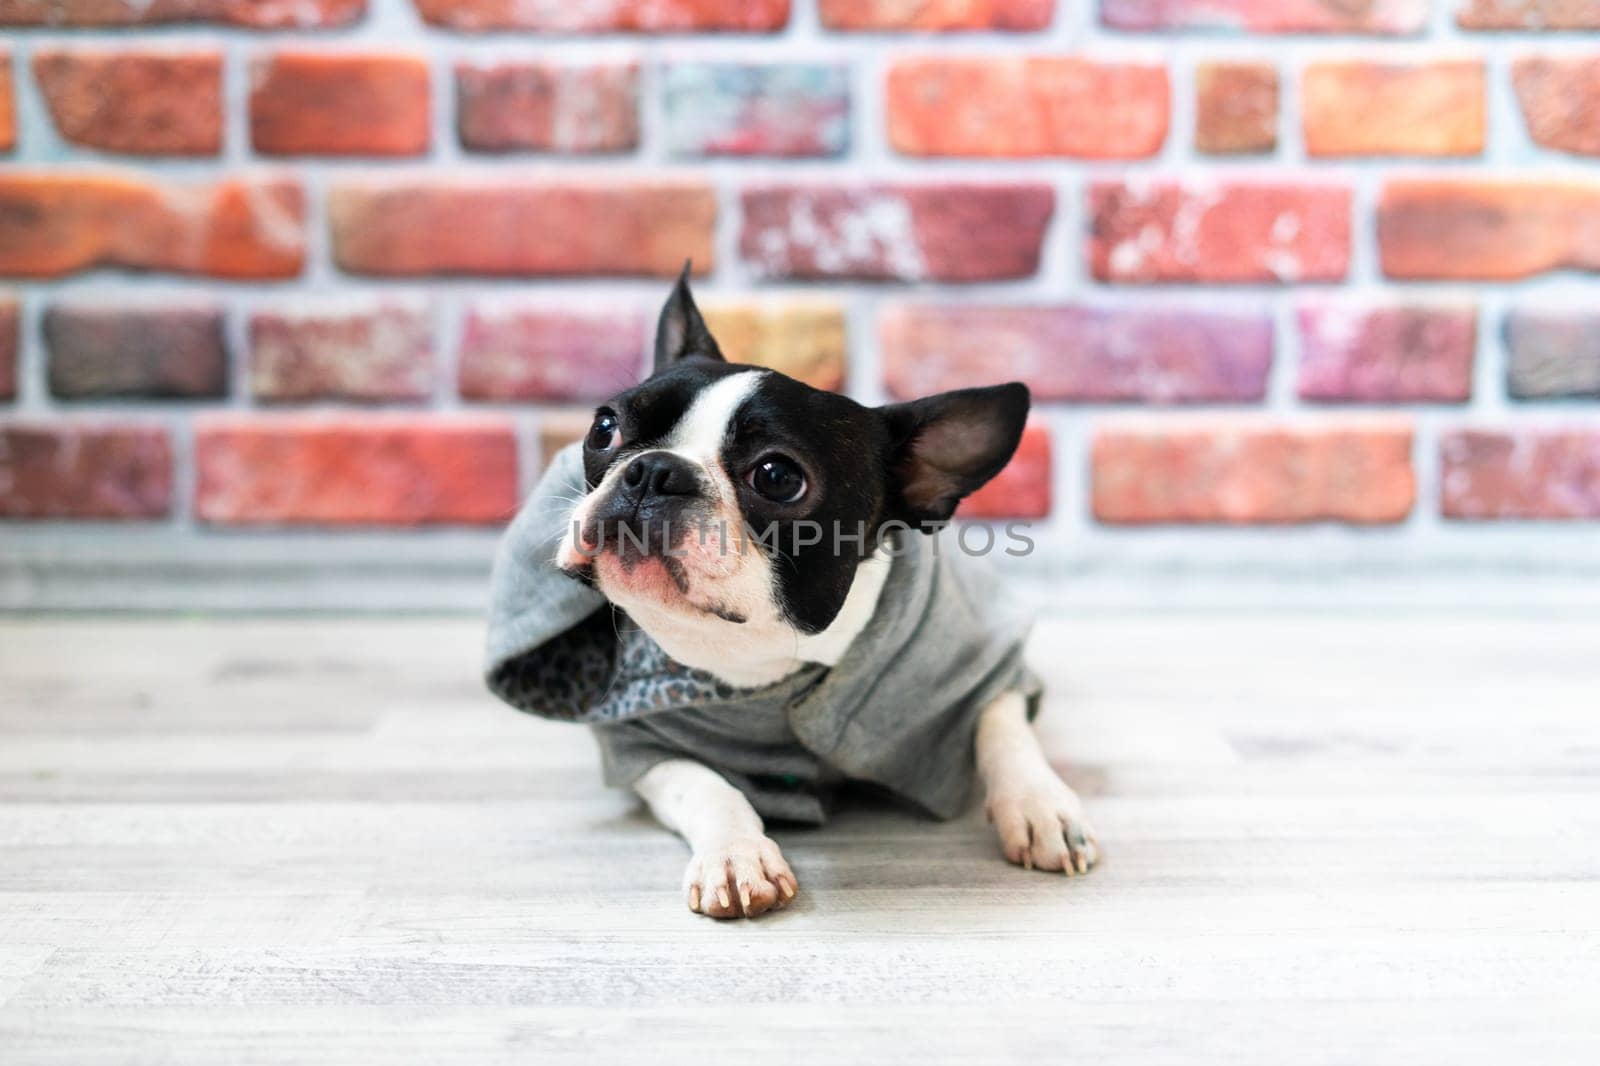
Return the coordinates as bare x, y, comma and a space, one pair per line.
633, 568
660, 579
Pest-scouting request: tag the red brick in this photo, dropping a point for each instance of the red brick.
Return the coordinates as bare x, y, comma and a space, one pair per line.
151, 349
514, 350
354, 470
252, 14
1420, 109
548, 107
1022, 489
627, 16
945, 232
1553, 353
62, 222
1016, 107
1076, 353
1520, 473
141, 102
10, 344
1399, 353
84, 470
1529, 14
1490, 230
8, 107
499, 226
342, 349
1253, 472
316, 103
740, 109
1560, 100
1268, 16
942, 15
1149, 231
1236, 108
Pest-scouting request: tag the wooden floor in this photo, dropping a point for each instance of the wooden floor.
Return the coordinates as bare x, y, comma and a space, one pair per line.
1345, 839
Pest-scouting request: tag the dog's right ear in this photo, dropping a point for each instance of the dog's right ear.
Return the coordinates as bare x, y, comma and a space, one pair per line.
946, 447
680, 331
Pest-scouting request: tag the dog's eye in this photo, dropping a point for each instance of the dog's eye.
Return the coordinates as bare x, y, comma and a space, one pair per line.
778, 479
606, 433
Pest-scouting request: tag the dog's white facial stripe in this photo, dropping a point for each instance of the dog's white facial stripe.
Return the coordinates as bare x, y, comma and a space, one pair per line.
704, 426
697, 436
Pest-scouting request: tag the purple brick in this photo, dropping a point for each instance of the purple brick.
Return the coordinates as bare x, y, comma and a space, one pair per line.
519, 351
1083, 354
745, 109
358, 349
165, 350
1386, 354
84, 470
1553, 354
1268, 16
1522, 473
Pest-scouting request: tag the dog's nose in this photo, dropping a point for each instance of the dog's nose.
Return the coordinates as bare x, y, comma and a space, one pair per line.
661, 474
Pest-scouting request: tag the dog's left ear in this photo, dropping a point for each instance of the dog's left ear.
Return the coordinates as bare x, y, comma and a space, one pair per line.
945, 447
680, 331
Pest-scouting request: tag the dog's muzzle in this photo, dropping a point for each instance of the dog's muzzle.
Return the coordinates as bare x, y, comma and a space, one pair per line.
656, 501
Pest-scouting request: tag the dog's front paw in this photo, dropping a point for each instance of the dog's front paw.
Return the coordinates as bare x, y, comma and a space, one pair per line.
740, 877
1042, 825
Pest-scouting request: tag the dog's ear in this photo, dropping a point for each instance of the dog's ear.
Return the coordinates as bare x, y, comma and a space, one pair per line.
680, 331
945, 447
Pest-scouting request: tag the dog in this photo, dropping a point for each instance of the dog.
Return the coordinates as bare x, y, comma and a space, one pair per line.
737, 580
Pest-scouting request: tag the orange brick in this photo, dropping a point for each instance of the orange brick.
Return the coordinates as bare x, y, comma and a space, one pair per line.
8, 108
1560, 101
1487, 230
1424, 109
54, 224
1236, 108
1529, 14
312, 103
438, 226
1014, 107
354, 470
1253, 472
926, 15
619, 16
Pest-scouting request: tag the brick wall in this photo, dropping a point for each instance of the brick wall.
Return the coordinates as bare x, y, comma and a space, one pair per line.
335, 263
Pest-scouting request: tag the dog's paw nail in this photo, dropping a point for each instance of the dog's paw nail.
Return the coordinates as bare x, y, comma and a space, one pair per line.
694, 898
1041, 827
786, 888
723, 898
744, 898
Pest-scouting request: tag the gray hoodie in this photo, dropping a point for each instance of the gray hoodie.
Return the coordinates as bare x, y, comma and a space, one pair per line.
899, 710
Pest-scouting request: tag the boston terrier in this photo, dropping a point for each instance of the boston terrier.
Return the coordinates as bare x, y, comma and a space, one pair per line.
740, 582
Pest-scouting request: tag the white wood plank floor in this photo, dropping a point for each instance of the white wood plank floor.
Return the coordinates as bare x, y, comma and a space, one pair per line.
1331, 839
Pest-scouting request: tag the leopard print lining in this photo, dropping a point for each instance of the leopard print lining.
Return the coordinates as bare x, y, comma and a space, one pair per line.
604, 669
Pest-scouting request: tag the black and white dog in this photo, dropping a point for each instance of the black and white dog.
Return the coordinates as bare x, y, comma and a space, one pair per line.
705, 443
